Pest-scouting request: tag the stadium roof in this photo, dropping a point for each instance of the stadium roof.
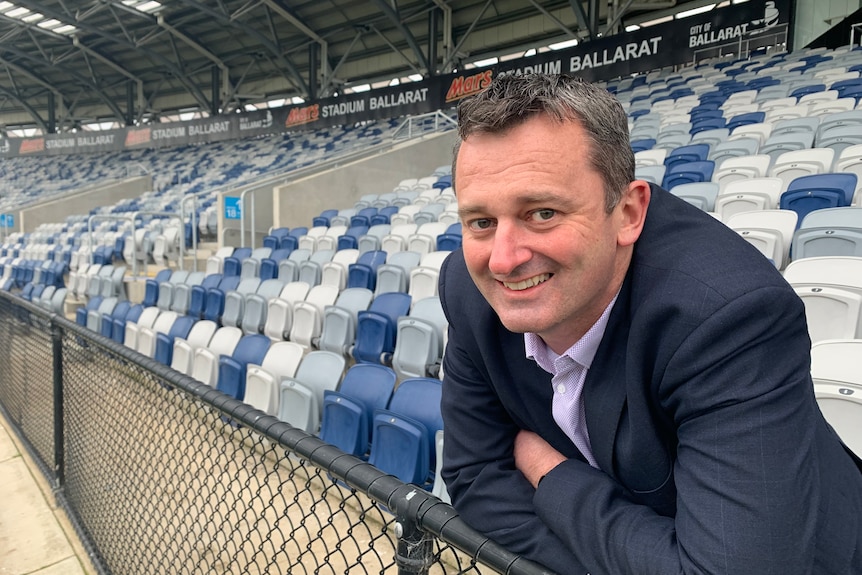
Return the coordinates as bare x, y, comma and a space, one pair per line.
66, 63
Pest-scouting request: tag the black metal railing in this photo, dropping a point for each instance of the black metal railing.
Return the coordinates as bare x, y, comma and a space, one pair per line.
162, 474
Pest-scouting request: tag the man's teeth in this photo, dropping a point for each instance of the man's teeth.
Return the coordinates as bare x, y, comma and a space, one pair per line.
527, 283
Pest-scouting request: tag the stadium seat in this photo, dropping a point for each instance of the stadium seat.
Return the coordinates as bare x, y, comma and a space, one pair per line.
687, 173
748, 194
205, 364
809, 193
829, 232
301, 397
376, 327
831, 289
338, 333
279, 315
699, 194
741, 168
403, 435
308, 315
262, 381
232, 368
348, 413
182, 357
180, 328
770, 231
419, 340
363, 273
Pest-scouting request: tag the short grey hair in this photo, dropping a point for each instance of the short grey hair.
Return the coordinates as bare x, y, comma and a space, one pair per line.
511, 99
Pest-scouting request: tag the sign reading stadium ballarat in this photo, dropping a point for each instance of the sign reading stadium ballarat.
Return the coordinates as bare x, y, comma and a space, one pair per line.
752, 24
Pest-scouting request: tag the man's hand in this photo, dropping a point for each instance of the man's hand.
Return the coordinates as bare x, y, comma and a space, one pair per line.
534, 457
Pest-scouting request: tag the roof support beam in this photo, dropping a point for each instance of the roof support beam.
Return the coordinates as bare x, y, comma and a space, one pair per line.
582, 17
24, 104
286, 13
225, 72
294, 76
568, 31
451, 58
405, 31
140, 83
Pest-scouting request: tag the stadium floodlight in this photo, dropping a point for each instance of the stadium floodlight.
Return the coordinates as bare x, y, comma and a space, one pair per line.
28, 16
145, 6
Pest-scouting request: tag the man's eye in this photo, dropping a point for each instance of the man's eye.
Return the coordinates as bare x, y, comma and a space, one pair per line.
481, 224
544, 215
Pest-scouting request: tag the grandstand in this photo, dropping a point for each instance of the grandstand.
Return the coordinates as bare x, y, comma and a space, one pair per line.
272, 300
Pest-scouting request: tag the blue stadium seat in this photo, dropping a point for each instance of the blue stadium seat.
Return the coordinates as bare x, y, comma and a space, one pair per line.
808, 193
151, 287
643, 144
269, 266
363, 217
348, 413
216, 296
688, 173
807, 89
377, 326
704, 124
450, 240
363, 273
82, 312
198, 295
119, 312
323, 218
685, 154
403, 435
165, 341
350, 239
118, 331
232, 369
233, 263
745, 119
383, 215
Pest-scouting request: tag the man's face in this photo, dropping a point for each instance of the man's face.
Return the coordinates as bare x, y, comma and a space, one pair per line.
537, 239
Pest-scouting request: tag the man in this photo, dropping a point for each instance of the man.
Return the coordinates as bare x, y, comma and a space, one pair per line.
627, 386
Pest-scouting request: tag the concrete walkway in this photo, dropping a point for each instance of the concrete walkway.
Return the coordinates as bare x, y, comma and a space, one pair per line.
36, 537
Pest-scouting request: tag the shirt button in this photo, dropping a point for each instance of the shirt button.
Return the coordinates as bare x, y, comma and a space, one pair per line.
561, 388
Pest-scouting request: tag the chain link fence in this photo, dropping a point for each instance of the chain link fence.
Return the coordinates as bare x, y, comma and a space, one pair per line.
162, 474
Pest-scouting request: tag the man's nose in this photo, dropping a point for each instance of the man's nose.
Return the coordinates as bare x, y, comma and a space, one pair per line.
509, 250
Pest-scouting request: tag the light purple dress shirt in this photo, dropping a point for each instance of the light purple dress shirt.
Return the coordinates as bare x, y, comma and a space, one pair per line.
569, 371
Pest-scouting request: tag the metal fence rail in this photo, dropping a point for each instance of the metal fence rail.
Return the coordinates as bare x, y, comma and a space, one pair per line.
162, 474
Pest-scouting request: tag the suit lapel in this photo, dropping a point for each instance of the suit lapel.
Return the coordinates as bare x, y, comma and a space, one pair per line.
605, 384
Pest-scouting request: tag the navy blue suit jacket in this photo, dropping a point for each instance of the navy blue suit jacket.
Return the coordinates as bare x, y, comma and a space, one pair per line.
700, 410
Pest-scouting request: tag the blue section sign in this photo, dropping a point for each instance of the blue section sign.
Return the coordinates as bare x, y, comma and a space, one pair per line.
232, 208
7, 220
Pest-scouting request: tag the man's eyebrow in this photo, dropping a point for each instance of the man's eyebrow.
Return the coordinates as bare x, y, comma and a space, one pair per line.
537, 199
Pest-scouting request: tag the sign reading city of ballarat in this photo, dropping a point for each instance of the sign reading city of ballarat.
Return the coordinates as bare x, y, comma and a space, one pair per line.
232, 208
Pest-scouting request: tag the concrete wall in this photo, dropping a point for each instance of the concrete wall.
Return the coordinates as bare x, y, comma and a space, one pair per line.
814, 17
296, 203
56, 210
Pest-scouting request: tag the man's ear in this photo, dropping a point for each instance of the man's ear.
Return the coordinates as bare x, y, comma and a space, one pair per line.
632, 210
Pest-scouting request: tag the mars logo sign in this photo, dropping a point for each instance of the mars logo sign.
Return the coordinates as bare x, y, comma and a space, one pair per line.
304, 115
464, 86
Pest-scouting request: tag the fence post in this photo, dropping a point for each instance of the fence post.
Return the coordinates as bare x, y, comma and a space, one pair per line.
59, 446
415, 551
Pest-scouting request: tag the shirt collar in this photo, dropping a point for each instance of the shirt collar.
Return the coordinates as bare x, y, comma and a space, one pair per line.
582, 351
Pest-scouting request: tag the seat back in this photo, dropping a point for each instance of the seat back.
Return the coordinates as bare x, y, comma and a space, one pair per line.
301, 397
403, 435
261, 384
338, 332
348, 413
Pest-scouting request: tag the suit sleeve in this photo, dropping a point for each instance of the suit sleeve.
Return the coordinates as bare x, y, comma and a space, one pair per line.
487, 490
739, 394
